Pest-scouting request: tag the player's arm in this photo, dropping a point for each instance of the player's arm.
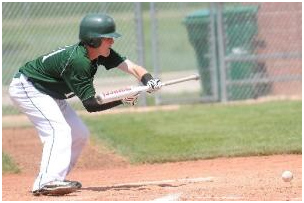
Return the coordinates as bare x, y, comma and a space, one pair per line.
93, 105
137, 71
140, 73
83, 87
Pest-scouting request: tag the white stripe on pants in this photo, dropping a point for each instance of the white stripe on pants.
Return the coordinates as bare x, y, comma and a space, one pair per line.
61, 131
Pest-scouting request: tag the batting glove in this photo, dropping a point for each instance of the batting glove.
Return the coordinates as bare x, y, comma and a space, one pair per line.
130, 101
154, 85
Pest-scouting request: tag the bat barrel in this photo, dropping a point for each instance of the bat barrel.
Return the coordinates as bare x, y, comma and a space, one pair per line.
191, 77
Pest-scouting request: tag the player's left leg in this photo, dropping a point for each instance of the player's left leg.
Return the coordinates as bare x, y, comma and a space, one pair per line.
79, 131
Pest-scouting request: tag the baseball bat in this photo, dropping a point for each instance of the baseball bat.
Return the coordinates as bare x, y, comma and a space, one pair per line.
119, 94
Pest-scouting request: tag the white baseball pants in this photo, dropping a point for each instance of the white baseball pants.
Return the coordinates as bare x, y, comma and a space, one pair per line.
62, 132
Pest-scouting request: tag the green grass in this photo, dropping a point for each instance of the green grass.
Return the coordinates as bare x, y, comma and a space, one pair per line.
203, 131
8, 165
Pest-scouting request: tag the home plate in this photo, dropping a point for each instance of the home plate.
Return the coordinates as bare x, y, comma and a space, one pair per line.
182, 180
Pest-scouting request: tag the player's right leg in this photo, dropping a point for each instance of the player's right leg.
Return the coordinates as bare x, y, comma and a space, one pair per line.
54, 132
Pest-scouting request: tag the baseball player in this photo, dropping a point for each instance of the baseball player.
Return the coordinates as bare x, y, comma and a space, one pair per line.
41, 87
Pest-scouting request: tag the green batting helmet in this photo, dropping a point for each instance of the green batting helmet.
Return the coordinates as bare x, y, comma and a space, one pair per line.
93, 27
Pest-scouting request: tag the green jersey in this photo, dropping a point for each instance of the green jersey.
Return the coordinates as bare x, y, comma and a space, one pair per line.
68, 71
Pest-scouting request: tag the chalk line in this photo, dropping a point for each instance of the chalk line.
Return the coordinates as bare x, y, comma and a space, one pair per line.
170, 197
181, 180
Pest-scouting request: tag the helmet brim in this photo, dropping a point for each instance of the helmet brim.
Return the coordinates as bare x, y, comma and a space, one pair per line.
111, 35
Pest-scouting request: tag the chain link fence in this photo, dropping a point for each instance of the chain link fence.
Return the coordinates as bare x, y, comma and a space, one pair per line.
262, 51
240, 50
31, 29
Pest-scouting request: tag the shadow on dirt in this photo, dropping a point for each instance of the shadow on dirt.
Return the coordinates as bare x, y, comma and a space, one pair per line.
126, 187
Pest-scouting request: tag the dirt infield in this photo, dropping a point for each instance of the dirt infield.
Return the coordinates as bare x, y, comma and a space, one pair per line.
105, 176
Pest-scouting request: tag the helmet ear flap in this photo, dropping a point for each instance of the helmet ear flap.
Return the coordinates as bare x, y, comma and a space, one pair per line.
94, 42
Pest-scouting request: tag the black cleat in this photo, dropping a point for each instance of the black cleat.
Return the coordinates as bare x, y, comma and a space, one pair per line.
56, 188
75, 183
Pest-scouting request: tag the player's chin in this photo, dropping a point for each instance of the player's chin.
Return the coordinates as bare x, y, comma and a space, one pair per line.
107, 53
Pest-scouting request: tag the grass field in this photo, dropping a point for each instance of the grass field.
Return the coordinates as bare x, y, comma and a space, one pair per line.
202, 131
8, 165
197, 132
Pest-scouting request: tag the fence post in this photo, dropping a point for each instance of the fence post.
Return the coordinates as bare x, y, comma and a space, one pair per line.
221, 51
140, 45
213, 60
154, 45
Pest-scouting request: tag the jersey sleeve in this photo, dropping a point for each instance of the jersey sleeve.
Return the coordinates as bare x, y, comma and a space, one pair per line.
79, 78
112, 61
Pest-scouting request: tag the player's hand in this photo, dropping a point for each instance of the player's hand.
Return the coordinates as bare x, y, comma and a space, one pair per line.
154, 85
130, 101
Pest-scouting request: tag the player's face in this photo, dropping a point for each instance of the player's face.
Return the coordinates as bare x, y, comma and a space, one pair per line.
108, 41
106, 44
